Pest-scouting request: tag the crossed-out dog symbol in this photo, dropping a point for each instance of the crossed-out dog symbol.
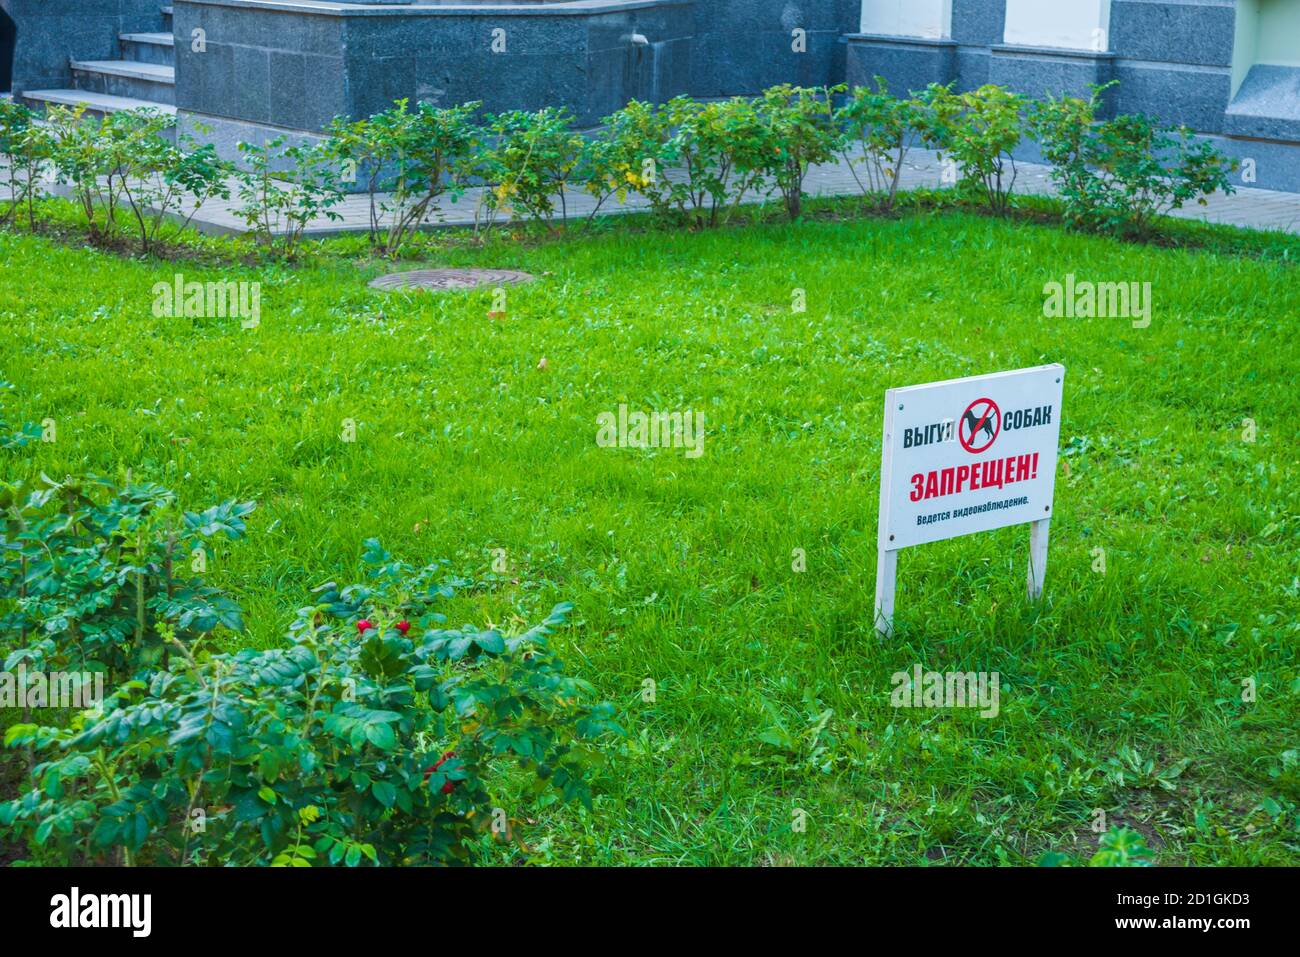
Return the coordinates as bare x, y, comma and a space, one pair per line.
982, 417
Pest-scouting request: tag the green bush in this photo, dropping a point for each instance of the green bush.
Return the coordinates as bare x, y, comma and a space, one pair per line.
629, 154
885, 129
1117, 175
125, 167
26, 150
107, 578
283, 189
715, 152
802, 131
694, 159
81, 163
529, 163
376, 736
411, 158
979, 130
718, 148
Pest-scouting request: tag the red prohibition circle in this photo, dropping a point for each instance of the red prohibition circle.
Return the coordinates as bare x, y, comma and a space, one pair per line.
982, 415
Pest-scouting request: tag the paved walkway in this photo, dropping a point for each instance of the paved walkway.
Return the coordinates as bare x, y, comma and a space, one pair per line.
1252, 208
1247, 207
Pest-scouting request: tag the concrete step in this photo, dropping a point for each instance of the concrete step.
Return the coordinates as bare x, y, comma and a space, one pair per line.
97, 104
140, 81
157, 48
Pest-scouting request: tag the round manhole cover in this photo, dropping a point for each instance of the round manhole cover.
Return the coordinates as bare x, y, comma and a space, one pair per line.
449, 279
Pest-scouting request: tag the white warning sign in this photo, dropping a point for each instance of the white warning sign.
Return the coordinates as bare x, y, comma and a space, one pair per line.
969, 455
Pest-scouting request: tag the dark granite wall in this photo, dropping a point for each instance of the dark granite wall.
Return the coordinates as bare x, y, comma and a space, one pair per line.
976, 28
909, 64
323, 65
279, 65
744, 46
320, 65
1172, 58
51, 32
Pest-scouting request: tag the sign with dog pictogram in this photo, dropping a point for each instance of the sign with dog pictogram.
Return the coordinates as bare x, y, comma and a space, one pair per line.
979, 419
964, 456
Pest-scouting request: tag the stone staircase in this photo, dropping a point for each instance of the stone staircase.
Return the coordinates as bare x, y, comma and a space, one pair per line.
144, 77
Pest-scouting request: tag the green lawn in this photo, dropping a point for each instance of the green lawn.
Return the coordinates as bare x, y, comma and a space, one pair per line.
772, 689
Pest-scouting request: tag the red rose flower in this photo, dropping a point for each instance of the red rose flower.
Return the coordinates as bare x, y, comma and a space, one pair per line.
447, 786
403, 626
362, 625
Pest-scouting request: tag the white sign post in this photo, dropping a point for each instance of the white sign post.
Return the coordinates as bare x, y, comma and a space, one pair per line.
965, 456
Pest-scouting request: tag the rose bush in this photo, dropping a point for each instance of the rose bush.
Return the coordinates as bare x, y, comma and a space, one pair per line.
693, 161
979, 130
350, 745
884, 129
408, 159
96, 576
1116, 176
528, 160
802, 131
629, 154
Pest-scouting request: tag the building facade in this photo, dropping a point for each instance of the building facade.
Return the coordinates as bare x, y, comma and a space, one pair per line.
252, 69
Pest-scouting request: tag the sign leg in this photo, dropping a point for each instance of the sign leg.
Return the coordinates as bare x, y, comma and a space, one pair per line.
886, 579
1037, 557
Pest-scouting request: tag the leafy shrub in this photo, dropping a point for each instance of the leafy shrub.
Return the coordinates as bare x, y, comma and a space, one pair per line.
88, 155
185, 175
716, 151
158, 178
529, 162
885, 129
1117, 175
125, 164
694, 159
410, 158
26, 150
718, 147
283, 189
79, 162
979, 129
371, 738
802, 132
629, 154
96, 577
